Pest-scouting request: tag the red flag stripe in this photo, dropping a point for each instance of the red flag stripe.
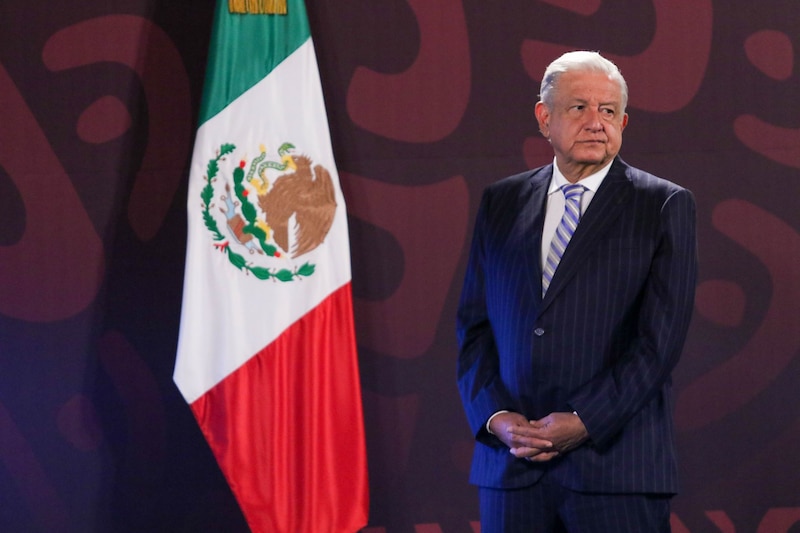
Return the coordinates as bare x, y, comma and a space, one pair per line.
284, 431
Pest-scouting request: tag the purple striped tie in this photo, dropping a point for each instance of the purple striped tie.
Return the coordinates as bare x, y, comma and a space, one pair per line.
572, 214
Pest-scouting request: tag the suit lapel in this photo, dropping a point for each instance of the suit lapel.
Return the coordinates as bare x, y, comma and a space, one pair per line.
532, 212
607, 204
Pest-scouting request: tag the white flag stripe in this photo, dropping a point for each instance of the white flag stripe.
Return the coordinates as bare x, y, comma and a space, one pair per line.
209, 351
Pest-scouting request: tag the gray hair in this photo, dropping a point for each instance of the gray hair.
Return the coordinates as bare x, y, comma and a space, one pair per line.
580, 61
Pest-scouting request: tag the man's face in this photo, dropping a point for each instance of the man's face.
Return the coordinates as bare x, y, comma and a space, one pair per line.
585, 123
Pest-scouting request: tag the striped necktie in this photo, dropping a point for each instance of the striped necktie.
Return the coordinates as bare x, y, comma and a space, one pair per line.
564, 231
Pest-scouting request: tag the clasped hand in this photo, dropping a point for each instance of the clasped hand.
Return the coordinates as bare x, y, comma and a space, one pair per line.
539, 440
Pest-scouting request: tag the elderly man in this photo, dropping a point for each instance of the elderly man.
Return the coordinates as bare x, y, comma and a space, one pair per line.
574, 311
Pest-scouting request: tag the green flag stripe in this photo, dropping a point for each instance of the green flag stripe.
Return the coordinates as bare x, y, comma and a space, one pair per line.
245, 48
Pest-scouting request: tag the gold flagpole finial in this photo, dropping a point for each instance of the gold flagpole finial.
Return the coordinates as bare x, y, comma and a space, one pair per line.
257, 7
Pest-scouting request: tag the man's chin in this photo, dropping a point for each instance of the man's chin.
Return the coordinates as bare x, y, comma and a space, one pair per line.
599, 159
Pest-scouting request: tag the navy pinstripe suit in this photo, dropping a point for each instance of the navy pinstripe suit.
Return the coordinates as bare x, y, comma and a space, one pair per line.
602, 342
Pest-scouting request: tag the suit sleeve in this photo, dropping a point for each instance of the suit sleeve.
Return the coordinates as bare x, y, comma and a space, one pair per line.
611, 399
480, 386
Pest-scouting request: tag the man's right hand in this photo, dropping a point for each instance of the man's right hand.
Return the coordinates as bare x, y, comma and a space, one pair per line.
516, 432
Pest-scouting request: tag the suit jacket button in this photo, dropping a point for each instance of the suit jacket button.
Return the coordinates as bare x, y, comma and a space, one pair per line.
538, 332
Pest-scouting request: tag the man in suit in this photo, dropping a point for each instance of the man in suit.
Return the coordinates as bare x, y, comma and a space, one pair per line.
566, 350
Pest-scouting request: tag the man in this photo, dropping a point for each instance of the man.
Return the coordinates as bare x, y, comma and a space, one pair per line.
566, 354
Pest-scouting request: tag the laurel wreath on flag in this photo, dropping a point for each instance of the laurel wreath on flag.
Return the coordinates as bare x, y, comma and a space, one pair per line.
250, 214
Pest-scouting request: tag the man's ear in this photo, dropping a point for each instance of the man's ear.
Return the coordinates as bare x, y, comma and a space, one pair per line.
543, 118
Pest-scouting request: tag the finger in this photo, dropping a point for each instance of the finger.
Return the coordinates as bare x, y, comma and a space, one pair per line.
541, 444
530, 442
523, 452
526, 431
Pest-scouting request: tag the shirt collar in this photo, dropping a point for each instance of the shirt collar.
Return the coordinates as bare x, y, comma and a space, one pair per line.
591, 182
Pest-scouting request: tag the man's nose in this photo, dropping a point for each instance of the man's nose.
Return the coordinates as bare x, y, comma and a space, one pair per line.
594, 121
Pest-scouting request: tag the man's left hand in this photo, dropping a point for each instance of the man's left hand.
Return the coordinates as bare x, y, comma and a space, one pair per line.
565, 430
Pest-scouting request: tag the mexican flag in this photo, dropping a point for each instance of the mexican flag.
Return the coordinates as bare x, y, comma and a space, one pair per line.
267, 354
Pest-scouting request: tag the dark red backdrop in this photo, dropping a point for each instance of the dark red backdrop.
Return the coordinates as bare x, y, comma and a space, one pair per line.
429, 101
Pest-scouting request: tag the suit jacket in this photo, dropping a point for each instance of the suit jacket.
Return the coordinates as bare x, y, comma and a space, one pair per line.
603, 341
